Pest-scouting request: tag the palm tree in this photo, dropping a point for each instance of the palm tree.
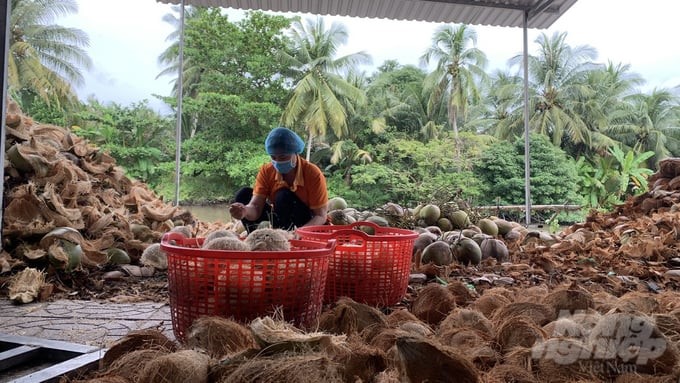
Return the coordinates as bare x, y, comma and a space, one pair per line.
649, 122
557, 76
453, 80
321, 96
45, 60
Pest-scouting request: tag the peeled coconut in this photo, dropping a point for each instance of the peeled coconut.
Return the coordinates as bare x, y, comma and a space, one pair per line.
494, 248
430, 214
154, 256
438, 252
268, 240
467, 251
337, 203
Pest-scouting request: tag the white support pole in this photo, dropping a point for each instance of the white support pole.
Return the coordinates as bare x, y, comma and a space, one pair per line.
527, 157
5, 10
180, 91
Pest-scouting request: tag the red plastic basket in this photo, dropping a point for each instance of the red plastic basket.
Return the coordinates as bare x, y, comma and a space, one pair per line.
370, 269
244, 285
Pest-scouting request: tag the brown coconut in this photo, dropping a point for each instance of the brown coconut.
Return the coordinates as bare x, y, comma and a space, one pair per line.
131, 364
568, 301
433, 303
438, 253
518, 331
226, 243
361, 362
504, 373
539, 313
137, 340
443, 364
178, 367
465, 318
267, 239
488, 303
219, 336
288, 368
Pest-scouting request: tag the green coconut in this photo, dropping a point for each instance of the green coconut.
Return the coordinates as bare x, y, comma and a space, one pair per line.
438, 252
459, 219
430, 214
488, 226
467, 251
65, 255
445, 224
337, 203
503, 226
117, 256
416, 210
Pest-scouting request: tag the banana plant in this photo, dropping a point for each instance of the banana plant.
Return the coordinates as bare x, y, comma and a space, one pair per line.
632, 171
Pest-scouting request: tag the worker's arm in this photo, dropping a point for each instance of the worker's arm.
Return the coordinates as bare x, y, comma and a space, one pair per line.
251, 211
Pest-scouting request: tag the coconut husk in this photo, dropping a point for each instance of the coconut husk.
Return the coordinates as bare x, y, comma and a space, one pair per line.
24, 287
136, 340
637, 302
565, 328
567, 301
461, 293
131, 364
443, 364
521, 357
361, 362
505, 373
219, 371
539, 313
399, 316
488, 303
390, 375
387, 338
219, 336
350, 317
433, 303
102, 379
416, 328
177, 367
633, 339
564, 360
604, 301
276, 336
634, 377
669, 325
289, 369
518, 331
532, 294
461, 318
668, 301
267, 239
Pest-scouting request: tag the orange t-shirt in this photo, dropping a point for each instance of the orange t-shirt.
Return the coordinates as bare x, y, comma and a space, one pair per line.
309, 184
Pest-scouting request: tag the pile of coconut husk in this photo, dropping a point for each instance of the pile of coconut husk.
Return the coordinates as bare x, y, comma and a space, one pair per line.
70, 208
564, 334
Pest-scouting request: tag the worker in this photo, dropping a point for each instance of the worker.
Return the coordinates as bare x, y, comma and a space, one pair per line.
289, 191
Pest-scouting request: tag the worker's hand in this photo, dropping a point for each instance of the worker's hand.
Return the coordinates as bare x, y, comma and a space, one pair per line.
237, 210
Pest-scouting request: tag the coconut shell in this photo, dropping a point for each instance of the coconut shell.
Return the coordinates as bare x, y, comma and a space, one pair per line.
538, 313
433, 303
489, 302
443, 364
219, 336
361, 362
399, 316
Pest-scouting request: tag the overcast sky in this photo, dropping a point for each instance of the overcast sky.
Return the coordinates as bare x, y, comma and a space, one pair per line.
127, 36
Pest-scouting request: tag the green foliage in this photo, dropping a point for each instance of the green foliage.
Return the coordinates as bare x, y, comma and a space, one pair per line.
501, 170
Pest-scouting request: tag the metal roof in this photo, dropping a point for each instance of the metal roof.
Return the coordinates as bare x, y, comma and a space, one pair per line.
505, 13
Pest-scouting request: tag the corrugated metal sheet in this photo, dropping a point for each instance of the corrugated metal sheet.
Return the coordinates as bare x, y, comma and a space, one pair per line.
505, 13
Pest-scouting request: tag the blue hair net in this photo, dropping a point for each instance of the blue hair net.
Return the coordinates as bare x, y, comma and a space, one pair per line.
283, 141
